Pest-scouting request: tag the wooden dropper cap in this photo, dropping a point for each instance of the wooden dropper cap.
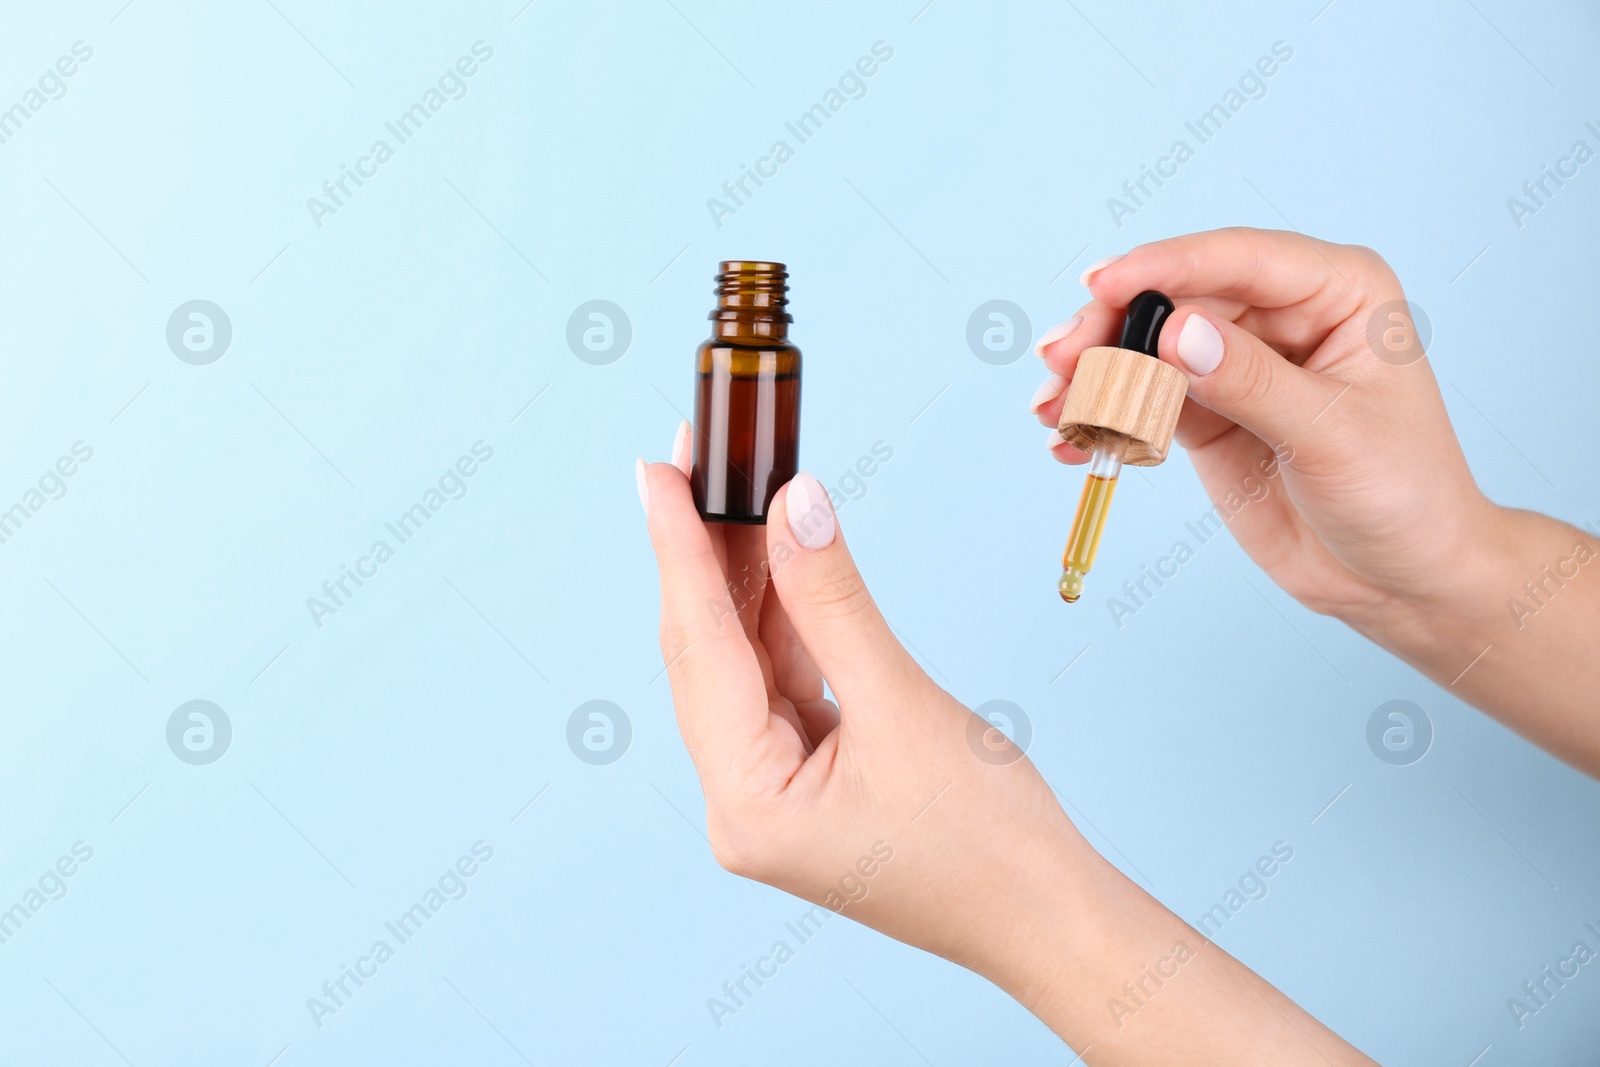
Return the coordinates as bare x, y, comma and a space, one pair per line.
1126, 389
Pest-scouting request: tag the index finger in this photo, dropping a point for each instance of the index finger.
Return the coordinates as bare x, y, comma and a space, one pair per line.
1261, 268
717, 686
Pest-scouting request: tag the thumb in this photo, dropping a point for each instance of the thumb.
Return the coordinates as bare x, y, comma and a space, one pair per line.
825, 598
1242, 378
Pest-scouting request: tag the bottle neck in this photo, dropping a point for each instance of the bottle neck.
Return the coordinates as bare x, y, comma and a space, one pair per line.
751, 298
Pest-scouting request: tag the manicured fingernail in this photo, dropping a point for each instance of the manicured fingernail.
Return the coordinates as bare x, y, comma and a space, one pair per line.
1054, 439
1057, 333
1047, 392
810, 512
644, 488
680, 448
1199, 345
1083, 279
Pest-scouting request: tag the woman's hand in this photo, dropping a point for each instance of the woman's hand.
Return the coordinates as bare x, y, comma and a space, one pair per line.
1303, 347
1306, 377
897, 805
903, 810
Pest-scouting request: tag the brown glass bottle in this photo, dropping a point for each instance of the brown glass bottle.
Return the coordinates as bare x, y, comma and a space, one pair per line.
747, 396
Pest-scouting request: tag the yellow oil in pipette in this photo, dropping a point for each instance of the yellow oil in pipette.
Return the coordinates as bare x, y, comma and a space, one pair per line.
1093, 506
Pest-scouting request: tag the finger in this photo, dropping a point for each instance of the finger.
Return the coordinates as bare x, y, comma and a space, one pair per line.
1243, 479
820, 718
1048, 398
1093, 324
1057, 333
794, 673
717, 687
746, 569
682, 456
775, 653
1263, 268
789, 714
825, 599
1198, 424
1237, 376
1062, 452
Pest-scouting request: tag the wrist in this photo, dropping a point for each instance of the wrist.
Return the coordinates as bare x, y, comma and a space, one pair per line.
1073, 930
1454, 601
1466, 610
1106, 966
1055, 896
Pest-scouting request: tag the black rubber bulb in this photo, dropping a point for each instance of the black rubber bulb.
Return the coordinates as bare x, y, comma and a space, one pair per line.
1147, 313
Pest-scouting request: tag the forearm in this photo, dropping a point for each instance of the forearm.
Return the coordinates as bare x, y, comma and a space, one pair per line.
1515, 633
1123, 980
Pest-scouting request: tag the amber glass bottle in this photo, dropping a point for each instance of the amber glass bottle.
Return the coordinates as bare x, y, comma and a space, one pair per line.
747, 396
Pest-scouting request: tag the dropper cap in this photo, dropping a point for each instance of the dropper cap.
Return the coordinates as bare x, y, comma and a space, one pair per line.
1117, 389
1147, 313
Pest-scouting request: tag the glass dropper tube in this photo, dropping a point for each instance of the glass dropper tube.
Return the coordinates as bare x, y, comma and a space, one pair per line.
1093, 507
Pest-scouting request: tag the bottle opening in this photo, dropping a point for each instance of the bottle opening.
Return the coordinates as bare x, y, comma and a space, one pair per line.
751, 297
753, 284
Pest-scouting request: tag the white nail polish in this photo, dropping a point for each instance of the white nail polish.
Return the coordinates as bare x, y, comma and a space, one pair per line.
1083, 279
1054, 439
1056, 333
811, 518
1048, 391
1199, 345
643, 486
680, 448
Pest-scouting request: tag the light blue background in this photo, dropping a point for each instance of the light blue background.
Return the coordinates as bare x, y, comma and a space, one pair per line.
369, 353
